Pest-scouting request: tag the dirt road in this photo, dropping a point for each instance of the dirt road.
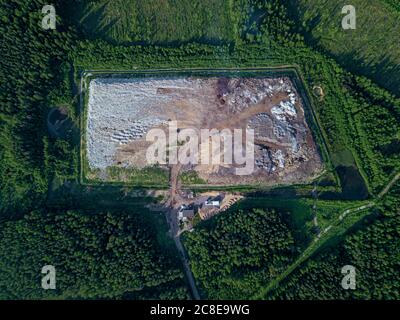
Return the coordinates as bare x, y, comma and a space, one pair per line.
174, 184
173, 204
389, 186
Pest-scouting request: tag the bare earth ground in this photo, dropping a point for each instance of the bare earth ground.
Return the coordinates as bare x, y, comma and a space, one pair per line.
122, 111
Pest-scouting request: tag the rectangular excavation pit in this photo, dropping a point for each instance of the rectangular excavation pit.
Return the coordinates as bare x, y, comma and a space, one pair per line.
122, 108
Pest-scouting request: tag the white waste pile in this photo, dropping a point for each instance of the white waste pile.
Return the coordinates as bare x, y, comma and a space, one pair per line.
284, 111
279, 158
137, 131
118, 112
239, 93
269, 160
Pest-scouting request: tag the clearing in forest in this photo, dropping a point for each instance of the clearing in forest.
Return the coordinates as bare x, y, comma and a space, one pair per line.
121, 111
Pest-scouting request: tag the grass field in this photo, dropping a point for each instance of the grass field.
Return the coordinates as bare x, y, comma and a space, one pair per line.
157, 22
395, 4
373, 49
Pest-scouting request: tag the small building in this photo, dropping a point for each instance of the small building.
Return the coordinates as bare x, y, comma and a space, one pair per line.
185, 213
214, 202
189, 213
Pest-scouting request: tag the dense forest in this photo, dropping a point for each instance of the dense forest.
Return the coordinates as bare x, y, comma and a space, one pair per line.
234, 255
29, 64
96, 255
373, 249
372, 252
239, 252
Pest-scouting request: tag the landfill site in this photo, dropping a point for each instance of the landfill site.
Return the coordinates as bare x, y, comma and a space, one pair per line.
121, 111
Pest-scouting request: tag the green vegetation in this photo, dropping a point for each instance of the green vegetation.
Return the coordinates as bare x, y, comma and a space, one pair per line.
373, 249
156, 22
191, 178
328, 211
75, 195
30, 71
239, 252
393, 3
376, 118
296, 213
372, 49
155, 176
96, 256
48, 217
